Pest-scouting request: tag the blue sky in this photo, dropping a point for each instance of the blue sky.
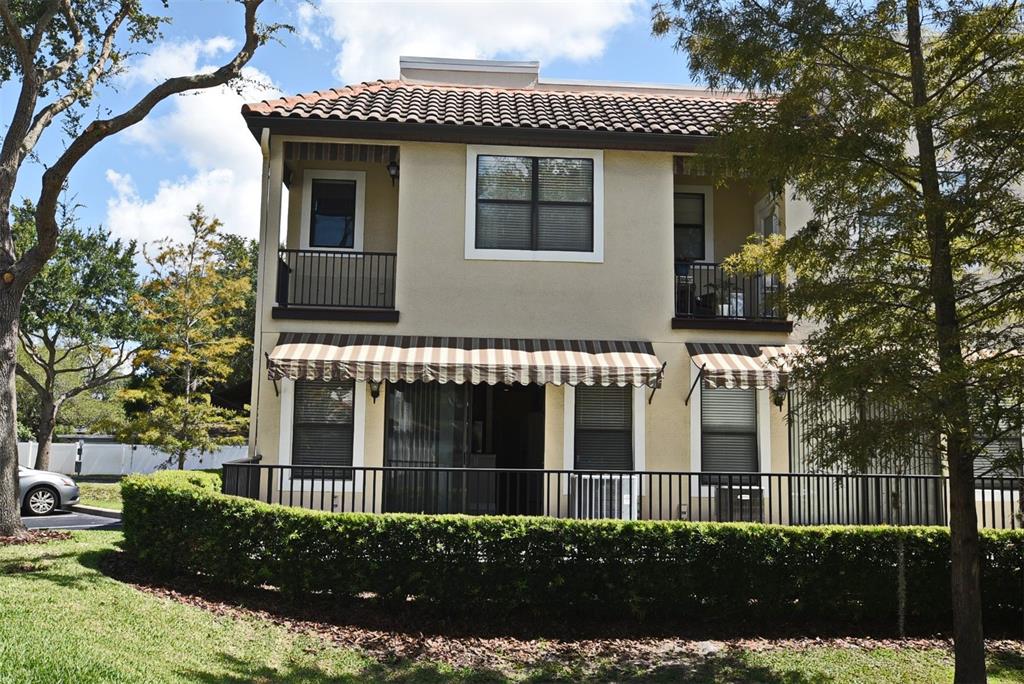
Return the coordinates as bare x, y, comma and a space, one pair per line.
195, 148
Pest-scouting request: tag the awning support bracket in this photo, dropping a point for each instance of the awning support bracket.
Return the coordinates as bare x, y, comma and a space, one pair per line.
700, 376
277, 392
657, 382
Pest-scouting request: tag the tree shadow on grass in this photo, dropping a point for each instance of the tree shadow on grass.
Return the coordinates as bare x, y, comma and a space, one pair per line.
46, 567
1008, 665
719, 667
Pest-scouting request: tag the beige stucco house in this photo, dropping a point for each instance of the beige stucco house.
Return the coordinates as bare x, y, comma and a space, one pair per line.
484, 292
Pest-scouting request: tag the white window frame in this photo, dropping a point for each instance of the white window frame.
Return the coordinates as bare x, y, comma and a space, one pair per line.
284, 454
764, 435
569, 431
765, 207
595, 256
709, 217
308, 176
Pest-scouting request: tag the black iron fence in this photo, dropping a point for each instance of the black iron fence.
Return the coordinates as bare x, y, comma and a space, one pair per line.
778, 498
709, 291
331, 278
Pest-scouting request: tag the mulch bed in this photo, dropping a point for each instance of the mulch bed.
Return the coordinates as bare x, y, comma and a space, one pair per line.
499, 644
35, 537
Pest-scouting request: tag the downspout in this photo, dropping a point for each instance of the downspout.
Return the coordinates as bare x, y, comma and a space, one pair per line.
261, 286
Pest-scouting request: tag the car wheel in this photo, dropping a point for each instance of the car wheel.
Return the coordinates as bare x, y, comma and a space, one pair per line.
41, 501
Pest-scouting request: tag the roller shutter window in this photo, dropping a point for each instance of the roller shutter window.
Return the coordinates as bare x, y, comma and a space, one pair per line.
603, 438
322, 430
728, 430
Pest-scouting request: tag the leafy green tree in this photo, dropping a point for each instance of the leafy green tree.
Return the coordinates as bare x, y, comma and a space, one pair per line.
900, 123
61, 57
192, 299
78, 327
239, 257
92, 411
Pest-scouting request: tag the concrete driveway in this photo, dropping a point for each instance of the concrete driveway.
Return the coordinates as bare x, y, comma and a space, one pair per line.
69, 520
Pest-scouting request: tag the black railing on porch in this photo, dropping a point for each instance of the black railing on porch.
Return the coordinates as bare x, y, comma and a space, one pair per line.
333, 278
709, 291
779, 498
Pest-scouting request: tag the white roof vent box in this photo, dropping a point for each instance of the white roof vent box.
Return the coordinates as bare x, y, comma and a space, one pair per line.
469, 72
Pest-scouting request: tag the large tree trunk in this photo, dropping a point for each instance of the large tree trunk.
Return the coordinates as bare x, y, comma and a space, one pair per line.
968, 631
44, 433
968, 634
10, 510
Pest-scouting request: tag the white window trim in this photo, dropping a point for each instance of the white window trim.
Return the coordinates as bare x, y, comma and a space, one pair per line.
308, 176
284, 454
709, 217
472, 252
765, 207
569, 431
764, 435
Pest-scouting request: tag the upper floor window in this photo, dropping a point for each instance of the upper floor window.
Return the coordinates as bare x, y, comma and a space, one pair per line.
530, 204
332, 209
689, 227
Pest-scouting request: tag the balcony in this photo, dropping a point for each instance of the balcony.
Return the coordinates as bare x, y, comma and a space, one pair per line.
335, 285
772, 498
709, 297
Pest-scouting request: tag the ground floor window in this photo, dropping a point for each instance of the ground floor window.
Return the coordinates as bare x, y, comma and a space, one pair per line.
603, 428
728, 421
323, 426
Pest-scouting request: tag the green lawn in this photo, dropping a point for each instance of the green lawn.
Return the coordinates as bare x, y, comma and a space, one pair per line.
61, 619
101, 494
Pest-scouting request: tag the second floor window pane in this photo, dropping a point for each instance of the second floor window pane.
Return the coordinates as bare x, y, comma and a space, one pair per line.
689, 227
332, 218
535, 203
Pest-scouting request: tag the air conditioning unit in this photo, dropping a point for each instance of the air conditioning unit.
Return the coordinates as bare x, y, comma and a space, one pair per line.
740, 504
598, 496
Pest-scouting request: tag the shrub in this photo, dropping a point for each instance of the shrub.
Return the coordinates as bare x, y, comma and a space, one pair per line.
677, 571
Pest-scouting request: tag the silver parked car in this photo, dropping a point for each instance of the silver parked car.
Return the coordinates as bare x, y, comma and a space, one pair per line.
43, 492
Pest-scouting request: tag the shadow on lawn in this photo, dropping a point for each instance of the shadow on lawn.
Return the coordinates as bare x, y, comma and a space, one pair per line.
721, 667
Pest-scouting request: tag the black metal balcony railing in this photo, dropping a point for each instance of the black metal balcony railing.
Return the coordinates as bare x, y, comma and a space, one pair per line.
778, 498
330, 278
709, 291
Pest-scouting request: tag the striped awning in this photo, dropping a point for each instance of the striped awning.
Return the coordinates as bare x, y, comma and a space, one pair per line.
746, 366
476, 360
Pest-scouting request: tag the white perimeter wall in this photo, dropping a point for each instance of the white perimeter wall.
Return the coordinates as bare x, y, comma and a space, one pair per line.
121, 459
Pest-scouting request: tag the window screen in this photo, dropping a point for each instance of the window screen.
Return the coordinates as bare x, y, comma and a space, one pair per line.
728, 430
689, 226
332, 216
535, 203
322, 428
604, 428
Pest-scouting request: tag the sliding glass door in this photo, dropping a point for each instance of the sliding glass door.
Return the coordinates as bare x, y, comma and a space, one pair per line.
426, 426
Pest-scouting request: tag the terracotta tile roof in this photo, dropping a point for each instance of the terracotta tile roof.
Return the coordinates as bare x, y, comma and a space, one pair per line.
569, 110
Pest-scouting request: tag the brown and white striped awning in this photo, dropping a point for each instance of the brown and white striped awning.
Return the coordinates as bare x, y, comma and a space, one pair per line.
747, 366
476, 360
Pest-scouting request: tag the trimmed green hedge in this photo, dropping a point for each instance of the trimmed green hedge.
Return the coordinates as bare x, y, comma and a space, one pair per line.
682, 572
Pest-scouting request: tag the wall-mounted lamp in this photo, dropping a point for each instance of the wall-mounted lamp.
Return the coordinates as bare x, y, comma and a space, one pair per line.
374, 389
778, 396
393, 171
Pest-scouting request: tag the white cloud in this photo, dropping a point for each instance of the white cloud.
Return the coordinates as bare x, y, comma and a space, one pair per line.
232, 199
175, 59
204, 131
373, 35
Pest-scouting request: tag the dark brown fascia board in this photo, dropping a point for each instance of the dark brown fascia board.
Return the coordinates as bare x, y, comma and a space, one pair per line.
492, 135
315, 313
756, 324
